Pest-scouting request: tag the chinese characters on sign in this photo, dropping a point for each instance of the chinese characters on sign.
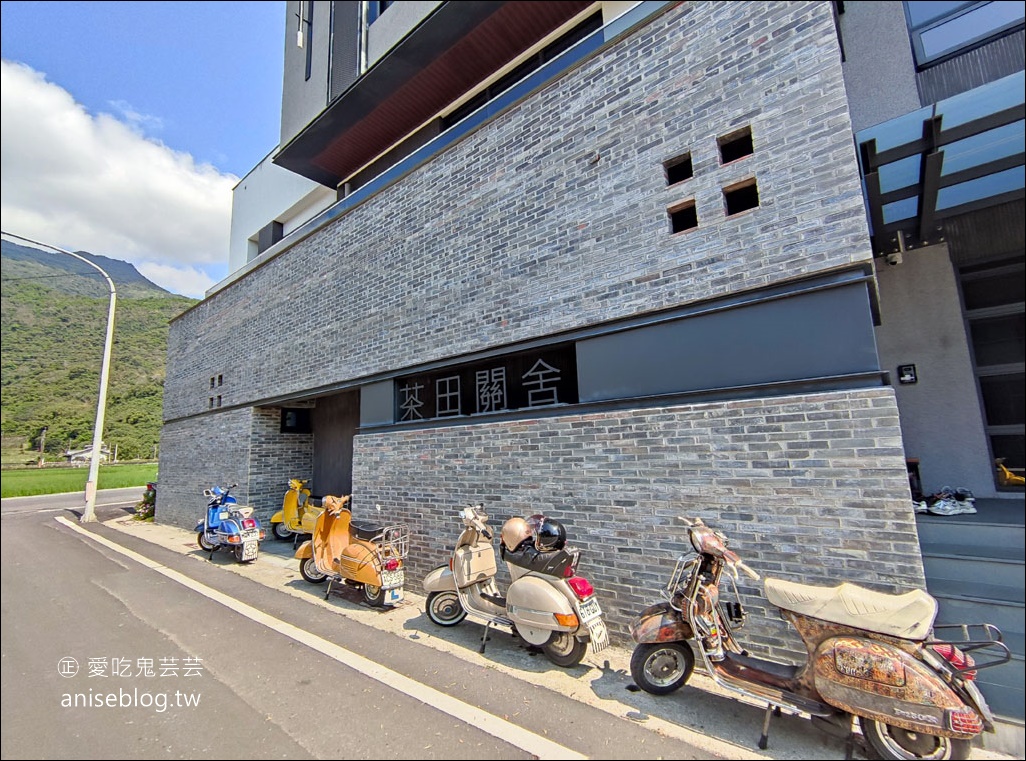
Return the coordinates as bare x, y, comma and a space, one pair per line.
542, 378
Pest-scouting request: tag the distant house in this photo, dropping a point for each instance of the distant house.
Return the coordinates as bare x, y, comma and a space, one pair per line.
86, 454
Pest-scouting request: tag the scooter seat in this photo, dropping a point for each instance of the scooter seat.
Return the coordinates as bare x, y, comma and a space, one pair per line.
365, 531
553, 563
908, 616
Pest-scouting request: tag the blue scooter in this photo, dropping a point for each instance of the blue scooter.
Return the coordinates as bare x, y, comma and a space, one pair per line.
228, 524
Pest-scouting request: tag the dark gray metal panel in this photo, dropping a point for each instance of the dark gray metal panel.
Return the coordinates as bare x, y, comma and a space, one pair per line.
977, 67
334, 425
376, 403
812, 335
345, 47
987, 234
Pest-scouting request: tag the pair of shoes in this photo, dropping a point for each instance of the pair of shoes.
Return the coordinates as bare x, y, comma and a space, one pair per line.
945, 506
950, 506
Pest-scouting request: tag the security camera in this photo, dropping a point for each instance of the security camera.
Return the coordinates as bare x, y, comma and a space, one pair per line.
893, 259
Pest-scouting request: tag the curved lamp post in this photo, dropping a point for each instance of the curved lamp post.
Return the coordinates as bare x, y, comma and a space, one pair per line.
89, 514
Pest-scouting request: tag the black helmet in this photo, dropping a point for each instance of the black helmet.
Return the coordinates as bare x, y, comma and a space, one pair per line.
551, 536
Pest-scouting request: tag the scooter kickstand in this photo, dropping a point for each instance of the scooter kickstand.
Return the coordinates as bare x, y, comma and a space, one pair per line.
484, 637
849, 745
771, 711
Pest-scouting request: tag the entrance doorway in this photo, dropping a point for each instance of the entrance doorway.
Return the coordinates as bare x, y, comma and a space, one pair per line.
992, 296
335, 420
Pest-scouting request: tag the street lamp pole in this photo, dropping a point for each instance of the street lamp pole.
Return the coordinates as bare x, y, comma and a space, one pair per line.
89, 515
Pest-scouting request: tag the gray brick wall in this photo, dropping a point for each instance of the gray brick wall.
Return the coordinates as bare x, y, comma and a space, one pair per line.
235, 446
553, 217
199, 453
809, 488
518, 231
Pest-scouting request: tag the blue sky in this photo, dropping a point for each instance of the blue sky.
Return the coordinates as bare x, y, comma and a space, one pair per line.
124, 122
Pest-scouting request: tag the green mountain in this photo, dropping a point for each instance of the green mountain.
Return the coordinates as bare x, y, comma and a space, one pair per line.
53, 319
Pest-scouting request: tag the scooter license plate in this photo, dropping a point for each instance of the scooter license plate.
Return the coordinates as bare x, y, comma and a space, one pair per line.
251, 535
249, 550
599, 635
590, 609
391, 579
393, 596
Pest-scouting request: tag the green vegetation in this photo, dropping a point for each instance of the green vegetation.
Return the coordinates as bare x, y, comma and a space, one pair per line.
28, 482
54, 318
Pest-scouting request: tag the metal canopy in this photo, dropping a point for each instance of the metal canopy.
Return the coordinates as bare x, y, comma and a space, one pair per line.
959, 155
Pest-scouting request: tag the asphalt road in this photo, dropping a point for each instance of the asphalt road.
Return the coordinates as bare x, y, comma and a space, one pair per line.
156, 626
274, 676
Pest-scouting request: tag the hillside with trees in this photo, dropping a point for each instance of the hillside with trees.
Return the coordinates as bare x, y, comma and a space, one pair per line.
54, 317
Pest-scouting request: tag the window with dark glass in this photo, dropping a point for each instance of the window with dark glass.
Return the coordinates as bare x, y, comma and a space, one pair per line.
939, 30
295, 420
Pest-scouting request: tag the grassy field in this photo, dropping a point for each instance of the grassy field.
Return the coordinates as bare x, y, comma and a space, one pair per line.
27, 482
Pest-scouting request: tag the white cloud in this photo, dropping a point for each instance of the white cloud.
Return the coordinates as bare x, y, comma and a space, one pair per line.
91, 182
177, 279
145, 122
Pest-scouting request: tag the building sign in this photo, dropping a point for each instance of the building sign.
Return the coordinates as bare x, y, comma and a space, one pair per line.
533, 379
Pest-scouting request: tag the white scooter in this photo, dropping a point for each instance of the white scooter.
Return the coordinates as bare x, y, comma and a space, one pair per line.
547, 603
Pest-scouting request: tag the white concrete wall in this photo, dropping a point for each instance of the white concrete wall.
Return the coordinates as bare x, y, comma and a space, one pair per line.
922, 324
269, 193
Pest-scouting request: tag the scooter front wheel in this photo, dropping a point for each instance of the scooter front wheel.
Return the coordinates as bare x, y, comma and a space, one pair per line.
444, 608
660, 668
896, 744
308, 570
201, 540
564, 649
280, 531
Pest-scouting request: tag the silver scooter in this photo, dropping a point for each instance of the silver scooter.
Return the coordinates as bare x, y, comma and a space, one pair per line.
547, 604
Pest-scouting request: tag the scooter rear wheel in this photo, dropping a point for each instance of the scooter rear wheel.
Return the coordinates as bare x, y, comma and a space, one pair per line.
662, 667
564, 649
896, 744
280, 531
444, 608
375, 596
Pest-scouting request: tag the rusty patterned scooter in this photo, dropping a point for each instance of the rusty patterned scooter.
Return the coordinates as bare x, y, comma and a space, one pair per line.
873, 658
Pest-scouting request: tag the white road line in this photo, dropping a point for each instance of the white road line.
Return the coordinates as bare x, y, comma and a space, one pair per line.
493, 725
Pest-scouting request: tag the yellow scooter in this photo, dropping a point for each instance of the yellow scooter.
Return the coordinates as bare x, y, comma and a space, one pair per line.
359, 554
1007, 477
298, 514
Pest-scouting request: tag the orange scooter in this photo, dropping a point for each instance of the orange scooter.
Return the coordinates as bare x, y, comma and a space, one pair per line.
363, 555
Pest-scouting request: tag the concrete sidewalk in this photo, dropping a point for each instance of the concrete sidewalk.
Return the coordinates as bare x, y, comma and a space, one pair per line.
700, 713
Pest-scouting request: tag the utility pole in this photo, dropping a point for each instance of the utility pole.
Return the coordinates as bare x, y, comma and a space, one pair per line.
89, 514
42, 446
